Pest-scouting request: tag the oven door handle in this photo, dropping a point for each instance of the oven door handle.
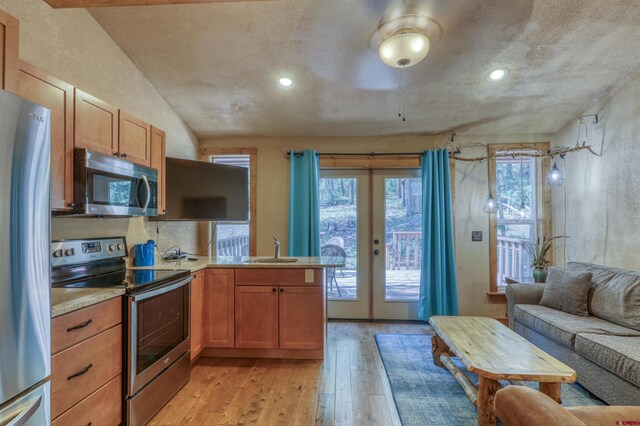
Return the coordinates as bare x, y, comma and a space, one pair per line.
161, 290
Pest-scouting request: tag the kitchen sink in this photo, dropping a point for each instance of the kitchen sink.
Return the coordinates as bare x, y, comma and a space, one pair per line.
271, 260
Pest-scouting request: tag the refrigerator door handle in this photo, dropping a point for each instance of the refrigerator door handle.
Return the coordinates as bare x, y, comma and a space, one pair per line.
25, 413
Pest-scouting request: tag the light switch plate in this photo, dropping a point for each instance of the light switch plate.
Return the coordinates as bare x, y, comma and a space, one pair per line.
308, 276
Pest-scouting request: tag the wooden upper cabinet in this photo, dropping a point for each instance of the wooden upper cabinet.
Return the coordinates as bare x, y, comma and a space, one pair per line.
9, 42
301, 312
256, 317
219, 308
43, 89
158, 162
135, 139
96, 124
197, 308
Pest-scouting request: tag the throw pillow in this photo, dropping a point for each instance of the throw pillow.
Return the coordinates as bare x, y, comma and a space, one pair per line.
567, 291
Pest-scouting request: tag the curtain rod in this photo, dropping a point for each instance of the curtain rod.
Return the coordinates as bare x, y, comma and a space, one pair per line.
365, 154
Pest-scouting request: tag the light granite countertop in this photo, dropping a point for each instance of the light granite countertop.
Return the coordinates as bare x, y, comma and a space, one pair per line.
204, 262
65, 300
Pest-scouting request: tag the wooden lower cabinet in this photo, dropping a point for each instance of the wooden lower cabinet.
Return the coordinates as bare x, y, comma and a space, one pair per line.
101, 408
256, 316
197, 310
219, 303
86, 367
301, 317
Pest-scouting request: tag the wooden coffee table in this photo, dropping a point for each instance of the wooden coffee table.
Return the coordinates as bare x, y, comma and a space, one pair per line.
494, 352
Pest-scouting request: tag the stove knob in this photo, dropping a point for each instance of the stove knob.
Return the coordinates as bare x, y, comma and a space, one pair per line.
120, 247
58, 253
69, 252
111, 247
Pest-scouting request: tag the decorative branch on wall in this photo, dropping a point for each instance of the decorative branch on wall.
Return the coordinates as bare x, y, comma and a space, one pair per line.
559, 151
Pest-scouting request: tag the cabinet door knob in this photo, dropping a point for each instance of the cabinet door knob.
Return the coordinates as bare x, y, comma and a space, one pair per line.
376, 252
274, 289
123, 155
117, 154
282, 290
72, 205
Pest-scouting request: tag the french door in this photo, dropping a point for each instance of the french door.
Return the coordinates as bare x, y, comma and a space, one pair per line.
374, 219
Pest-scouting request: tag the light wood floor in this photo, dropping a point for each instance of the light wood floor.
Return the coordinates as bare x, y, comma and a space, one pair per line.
349, 387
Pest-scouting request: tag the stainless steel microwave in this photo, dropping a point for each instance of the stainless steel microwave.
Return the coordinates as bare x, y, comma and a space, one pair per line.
106, 185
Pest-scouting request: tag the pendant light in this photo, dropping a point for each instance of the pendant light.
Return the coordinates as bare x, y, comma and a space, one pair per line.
555, 176
490, 205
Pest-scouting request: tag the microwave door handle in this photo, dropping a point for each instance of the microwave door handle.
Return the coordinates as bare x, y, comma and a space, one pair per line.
148, 200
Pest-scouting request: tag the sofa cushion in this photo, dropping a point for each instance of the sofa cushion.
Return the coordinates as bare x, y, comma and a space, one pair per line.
567, 291
562, 327
618, 354
618, 300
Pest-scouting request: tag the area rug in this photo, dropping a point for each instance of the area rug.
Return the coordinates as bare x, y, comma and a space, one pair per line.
428, 395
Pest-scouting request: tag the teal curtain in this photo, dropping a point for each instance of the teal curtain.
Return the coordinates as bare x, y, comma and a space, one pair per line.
438, 292
304, 204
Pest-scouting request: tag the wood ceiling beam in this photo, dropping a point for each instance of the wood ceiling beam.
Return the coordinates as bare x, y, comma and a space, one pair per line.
62, 4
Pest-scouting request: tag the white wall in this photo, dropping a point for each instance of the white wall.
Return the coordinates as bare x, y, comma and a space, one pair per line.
472, 257
72, 46
603, 193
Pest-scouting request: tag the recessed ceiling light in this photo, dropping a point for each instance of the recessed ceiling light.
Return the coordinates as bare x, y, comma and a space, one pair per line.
498, 74
285, 82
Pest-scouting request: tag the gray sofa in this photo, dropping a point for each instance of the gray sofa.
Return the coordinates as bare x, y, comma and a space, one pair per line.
603, 348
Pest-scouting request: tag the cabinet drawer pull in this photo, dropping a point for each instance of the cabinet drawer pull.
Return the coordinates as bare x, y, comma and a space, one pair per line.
81, 372
79, 326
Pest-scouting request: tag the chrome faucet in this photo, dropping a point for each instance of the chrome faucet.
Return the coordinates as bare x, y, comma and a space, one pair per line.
276, 244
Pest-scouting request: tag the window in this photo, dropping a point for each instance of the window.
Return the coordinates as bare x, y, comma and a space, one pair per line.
523, 211
234, 238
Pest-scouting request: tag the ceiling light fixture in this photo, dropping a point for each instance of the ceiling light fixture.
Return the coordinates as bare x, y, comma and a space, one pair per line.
404, 48
497, 75
285, 83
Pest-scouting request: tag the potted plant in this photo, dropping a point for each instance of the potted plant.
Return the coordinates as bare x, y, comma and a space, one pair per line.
539, 252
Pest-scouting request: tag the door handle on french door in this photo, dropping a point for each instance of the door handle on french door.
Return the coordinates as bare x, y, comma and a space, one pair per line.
376, 252
376, 241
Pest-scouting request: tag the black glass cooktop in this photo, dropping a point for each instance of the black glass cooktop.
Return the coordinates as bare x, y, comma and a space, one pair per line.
135, 280
132, 281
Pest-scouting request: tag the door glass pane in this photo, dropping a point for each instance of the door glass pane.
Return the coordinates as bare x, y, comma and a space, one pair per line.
403, 238
339, 234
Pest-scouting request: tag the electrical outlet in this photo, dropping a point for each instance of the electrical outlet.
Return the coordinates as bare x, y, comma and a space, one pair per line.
476, 235
308, 276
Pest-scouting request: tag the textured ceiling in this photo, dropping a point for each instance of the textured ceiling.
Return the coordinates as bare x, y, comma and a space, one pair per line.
217, 64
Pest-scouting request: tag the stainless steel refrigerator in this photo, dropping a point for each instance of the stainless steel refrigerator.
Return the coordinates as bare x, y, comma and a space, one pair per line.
25, 291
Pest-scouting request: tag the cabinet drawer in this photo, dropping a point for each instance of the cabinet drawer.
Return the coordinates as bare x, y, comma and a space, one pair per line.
84, 368
74, 327
276, 276
101, 408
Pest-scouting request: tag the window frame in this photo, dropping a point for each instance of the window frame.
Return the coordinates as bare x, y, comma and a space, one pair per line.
542, 203
204, 227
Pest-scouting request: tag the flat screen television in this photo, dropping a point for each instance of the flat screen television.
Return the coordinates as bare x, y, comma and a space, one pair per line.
200, 191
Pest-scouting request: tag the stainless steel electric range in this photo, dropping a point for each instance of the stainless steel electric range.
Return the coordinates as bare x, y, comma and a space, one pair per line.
156, 315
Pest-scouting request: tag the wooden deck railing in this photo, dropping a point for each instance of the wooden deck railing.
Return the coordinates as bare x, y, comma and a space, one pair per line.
513, 259
404, 251
234, 246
